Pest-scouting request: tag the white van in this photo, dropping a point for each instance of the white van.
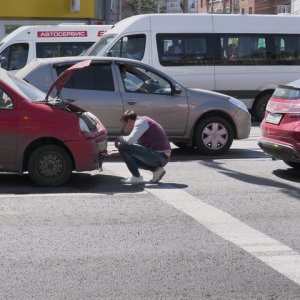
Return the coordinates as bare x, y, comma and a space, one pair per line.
195, 50
29, 42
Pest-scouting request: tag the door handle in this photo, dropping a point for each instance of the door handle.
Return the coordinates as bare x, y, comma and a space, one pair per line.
131, 102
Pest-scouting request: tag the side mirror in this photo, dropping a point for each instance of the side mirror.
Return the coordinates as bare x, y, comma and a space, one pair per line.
176, 89
109, 53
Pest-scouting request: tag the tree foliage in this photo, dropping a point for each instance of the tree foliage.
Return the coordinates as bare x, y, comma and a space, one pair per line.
136, 7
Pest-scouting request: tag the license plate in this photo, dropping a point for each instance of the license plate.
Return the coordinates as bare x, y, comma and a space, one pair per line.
274, 118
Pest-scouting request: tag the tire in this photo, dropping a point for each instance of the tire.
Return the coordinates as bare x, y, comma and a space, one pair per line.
293, 164
260, 107
49, 165
213, 136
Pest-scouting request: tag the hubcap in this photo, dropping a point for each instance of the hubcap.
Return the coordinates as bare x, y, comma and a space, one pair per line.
215, 136
50, 165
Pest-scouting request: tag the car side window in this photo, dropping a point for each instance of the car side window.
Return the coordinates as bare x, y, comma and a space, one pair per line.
141, 80
5, 101
94, 77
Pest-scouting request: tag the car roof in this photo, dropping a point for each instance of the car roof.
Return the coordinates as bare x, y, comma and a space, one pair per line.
69, 60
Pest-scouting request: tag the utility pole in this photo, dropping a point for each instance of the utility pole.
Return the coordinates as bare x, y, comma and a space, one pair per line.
184, 6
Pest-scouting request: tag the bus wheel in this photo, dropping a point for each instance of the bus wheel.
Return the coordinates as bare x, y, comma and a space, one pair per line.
260, 107
49, 165
213, 136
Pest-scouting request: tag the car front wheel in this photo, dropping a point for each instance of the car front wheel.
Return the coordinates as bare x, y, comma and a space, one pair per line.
49, 165
213, 136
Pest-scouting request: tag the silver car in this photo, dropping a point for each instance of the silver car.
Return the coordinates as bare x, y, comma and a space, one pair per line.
191, 117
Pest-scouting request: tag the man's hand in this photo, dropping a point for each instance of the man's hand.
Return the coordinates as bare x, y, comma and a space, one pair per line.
117, 142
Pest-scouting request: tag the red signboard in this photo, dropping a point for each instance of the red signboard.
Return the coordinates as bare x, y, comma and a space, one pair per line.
100, 33
62, 34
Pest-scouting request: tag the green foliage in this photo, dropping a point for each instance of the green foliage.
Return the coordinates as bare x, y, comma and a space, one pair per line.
137, 7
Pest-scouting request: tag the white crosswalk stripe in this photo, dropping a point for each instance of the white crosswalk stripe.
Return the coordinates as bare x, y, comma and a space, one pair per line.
278, 256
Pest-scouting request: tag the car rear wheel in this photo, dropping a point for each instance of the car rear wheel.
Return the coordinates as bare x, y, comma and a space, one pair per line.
213, 136
293, 164
49, 165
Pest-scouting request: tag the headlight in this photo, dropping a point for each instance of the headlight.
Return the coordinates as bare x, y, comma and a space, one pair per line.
238, 103
83, 126
92, 116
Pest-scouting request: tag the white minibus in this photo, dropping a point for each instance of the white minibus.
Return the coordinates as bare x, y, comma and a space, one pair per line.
245, 56
28, 42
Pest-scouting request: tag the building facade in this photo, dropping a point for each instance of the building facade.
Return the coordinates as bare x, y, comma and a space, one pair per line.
295, 7
245, 6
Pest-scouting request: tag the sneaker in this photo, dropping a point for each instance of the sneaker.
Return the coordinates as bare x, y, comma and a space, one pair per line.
132, 180
158, 174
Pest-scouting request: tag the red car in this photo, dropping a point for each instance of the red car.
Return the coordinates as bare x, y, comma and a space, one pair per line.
280, 128
44, 135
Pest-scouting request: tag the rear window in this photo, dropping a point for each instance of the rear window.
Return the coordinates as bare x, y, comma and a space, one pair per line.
94, 77
286, 92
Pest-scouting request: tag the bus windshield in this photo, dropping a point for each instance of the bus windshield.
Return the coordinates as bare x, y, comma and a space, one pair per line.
97, 47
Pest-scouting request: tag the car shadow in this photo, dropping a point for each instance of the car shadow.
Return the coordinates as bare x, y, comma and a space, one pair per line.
191, 154
289, 174
94, 183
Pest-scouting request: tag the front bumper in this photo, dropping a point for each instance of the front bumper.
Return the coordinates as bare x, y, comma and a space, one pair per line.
279, 151
243, 124
88, 154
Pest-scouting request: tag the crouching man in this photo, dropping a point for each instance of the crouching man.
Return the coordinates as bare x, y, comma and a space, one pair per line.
146, 147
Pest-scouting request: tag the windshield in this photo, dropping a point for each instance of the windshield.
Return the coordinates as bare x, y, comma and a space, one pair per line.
29, 91
97, 47
286, 92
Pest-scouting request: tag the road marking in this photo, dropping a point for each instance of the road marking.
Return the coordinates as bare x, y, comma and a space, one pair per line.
67, 195
278, 256
275, 254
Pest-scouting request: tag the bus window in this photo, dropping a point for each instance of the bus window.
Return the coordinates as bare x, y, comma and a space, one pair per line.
287, 49
244, 49
15, 56
183, 49
131, 46
44, 50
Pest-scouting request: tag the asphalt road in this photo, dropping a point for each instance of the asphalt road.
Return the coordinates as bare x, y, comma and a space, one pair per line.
214, 228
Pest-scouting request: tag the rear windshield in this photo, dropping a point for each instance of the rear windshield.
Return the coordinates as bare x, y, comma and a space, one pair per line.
286, 92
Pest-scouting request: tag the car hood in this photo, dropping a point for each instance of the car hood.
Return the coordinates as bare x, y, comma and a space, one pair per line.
61, 80
208, 93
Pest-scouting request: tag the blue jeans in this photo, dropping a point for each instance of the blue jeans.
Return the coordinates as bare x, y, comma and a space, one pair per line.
137, 156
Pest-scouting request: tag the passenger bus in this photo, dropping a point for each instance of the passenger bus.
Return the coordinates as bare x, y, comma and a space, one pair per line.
245, 56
